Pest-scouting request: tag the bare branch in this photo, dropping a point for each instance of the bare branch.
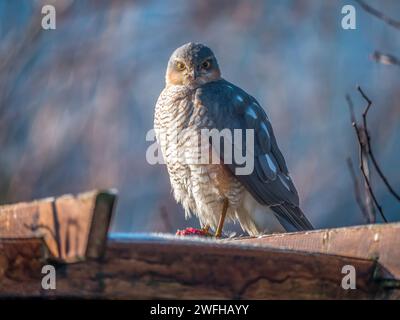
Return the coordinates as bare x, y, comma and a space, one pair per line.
369, 149
357, 191
366, 179
369, 102
362, 153
376, 13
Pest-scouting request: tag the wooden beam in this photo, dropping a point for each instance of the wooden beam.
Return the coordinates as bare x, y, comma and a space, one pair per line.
151, 266
377, 242
21, 262
73, 227
305, 265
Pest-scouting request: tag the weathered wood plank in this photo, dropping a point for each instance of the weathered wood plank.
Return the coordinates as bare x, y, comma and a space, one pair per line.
185, 269
168, 267
304, 265
73, 227
21, 262
378, 241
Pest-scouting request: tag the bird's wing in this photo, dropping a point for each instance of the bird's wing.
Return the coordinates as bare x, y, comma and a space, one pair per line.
229, 107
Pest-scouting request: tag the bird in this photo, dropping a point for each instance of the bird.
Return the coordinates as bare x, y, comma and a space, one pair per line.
195, 98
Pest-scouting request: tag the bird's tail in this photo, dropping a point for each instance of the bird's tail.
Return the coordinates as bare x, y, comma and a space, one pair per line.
292, 218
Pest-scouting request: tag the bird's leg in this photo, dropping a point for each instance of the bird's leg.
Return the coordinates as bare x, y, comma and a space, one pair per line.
222, 219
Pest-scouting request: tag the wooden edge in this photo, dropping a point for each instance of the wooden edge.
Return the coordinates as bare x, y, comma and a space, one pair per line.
21, 262
73, 227
198, 269
98, 233
145, 266
378, 241
151, 267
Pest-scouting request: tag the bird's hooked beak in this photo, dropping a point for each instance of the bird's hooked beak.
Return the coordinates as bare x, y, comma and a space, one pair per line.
193, 74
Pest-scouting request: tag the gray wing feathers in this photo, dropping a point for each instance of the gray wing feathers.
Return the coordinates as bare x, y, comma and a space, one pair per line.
229, 107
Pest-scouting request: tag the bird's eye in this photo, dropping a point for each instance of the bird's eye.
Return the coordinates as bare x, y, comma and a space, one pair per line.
180, 66
206, 64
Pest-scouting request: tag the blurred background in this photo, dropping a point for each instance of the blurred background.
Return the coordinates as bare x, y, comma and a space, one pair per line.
76, 102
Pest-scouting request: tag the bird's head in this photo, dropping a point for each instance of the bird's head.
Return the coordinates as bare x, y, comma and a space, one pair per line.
192, 64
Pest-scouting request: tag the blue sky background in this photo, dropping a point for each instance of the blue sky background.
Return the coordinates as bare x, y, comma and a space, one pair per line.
77, 102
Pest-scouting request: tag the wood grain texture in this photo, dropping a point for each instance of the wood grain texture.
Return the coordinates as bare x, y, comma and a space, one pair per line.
169, 268
21, 262
71, 232
377, 241
73, 227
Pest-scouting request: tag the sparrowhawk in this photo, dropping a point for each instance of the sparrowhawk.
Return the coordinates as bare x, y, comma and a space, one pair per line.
195, 98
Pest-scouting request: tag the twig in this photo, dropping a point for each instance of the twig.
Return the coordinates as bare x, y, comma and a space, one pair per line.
369, 149
390, 21
385, 58
357, 193
362, 147
369, 202
370, 209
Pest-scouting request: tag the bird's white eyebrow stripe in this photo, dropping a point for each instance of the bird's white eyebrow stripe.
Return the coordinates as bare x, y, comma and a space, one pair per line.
176, 60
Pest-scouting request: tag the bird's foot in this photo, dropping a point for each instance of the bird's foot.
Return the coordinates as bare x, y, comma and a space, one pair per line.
203, 232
